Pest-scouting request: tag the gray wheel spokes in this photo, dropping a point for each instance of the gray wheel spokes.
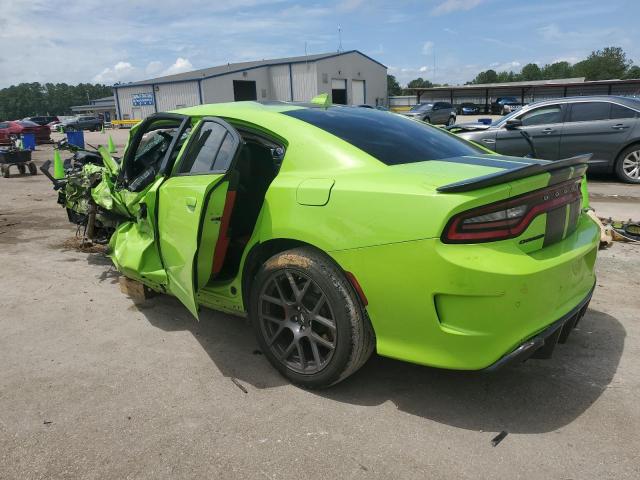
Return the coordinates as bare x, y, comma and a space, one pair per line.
297, 321
631, 164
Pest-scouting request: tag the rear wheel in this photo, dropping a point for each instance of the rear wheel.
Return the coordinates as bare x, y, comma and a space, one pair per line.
628, 164
22, 169
451, 121
32, 168
426, 119
5, 171
308, 320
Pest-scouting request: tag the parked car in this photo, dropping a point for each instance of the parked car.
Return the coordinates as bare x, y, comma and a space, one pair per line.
608, 127
42, 120
437, 113
82, 122
504, 105
18, 127
340, 231
468, 109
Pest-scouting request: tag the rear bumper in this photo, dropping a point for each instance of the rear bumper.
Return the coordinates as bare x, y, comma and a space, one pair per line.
543, 344
466, 307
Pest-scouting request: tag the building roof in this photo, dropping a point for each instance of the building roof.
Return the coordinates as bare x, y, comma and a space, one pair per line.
238, 67
559, 82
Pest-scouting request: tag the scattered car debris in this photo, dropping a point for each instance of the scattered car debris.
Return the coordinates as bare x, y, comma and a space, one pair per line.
498, 438
239, 385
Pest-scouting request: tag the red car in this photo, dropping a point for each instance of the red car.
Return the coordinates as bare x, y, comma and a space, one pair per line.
18, 127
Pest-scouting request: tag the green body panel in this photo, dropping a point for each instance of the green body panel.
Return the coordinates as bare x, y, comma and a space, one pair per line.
134, 247
182, 202
452, 306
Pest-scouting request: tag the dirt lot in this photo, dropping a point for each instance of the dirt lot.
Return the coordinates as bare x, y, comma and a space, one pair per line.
92, 386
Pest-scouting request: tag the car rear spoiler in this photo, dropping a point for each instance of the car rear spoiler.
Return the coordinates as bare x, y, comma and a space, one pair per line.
579, 164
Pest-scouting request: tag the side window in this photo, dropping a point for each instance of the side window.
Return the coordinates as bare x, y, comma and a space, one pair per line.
620, 112
4, 124
211, 150
542, 115
589, 111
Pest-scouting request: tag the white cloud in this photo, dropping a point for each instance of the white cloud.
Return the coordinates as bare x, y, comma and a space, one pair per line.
153, 68
448, 6
181, 65
121, 71
427, 48
423, 69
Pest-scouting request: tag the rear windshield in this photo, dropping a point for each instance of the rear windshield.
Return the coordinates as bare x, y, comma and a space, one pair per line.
27, 123
391, 138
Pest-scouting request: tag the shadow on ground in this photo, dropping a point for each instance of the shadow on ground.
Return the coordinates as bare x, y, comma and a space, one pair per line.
538, 396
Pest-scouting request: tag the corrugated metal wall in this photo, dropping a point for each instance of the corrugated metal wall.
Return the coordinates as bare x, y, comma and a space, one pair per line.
125, 98
304, 81
170, 96
280, 83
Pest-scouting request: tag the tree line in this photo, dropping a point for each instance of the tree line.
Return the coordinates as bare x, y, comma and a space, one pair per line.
606, 64
30, 99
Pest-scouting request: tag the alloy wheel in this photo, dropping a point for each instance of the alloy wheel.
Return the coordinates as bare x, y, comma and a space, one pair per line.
297, 321
631, 165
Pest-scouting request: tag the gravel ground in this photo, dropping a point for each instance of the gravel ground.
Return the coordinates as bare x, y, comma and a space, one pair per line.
93, 386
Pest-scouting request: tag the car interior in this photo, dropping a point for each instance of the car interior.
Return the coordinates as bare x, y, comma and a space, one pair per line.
256, 165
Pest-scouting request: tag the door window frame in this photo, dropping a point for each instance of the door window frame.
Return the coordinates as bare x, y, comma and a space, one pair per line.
142, 129
563, 115
570, 110
237, 139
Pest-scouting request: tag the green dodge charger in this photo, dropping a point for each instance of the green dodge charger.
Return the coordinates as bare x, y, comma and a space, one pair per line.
339, 231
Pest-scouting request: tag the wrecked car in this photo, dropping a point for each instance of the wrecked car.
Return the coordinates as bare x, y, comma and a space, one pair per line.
339, 231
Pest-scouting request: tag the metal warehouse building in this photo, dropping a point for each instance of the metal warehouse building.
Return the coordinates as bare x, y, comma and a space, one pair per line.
351, 78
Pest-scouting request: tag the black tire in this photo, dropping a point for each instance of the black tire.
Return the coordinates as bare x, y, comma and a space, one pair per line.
22, 169
451, 121
627, 165
291, 322
426, 119
5, 171
32, 168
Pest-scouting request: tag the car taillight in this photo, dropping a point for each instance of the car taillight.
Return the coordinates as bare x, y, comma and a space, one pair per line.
509, 218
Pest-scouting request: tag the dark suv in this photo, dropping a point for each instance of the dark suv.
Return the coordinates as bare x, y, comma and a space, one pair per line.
438, 113
607, 127
504, 105
83, 122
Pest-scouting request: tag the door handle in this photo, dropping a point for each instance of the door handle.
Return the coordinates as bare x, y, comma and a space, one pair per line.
190, 202
547, 131
489, 141
619, 126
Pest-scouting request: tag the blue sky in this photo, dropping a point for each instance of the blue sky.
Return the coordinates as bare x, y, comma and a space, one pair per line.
124, 40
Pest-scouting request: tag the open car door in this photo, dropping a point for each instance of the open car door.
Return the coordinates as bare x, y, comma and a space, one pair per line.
191, 204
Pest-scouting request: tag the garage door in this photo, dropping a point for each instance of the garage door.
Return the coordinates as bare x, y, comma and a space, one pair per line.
339, 91
357, 87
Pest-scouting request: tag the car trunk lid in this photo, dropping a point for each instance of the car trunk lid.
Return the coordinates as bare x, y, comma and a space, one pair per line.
534, 203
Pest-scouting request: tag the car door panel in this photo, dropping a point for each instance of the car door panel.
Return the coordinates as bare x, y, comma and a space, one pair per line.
182, 202
543, 124
587, 132
190, 207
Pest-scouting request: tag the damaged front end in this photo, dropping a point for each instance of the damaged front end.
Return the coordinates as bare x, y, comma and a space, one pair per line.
88, 194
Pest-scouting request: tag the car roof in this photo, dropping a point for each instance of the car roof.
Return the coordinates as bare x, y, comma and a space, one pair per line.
628, 101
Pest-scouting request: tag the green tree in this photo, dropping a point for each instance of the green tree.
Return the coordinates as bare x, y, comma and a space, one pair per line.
29, 99
557, 70
489, 76
632, 72
605, 64
393, 87
530, 72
